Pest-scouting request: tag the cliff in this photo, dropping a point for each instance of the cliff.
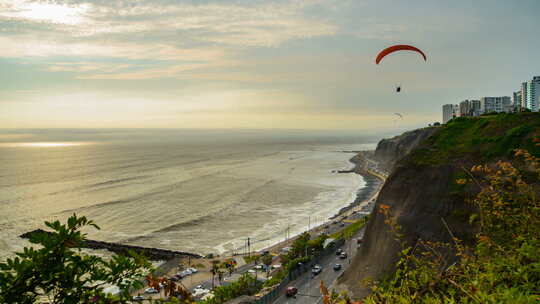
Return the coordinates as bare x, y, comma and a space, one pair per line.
391, 150
421, 190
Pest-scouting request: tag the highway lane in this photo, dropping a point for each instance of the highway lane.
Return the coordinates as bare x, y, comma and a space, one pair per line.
308, 284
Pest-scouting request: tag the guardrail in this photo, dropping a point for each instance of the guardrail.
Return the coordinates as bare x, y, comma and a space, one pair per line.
297, 272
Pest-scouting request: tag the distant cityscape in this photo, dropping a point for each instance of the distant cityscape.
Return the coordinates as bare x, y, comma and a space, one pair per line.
526, 98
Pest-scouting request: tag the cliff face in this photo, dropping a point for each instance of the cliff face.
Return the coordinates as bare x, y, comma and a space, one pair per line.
391, 150
421, 190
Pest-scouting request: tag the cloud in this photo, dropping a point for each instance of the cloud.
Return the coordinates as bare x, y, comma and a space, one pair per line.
128, 28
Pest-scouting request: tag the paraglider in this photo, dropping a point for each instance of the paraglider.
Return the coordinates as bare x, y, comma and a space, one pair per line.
399, 47
396, 48
400, 116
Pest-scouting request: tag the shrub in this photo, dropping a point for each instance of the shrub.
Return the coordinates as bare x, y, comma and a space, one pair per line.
59, 271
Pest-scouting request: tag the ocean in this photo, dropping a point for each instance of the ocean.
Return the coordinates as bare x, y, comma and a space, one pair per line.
201, 191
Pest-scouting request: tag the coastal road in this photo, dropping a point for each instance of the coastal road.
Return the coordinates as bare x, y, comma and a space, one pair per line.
333, 227
308, 285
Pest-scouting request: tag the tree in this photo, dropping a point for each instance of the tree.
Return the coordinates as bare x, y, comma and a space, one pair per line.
215, 269
60, 272
299, 245
267, 261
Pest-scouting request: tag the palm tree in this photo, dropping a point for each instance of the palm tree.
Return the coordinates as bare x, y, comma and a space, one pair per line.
215, 268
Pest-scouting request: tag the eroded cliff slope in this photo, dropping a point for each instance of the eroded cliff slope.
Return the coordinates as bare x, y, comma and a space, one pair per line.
421, 190
391, 150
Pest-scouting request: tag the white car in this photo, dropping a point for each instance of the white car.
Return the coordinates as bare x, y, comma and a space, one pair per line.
151, 290
258, 267
200, 292
192, 270
251, 271
138, 298
183, 274
276, 266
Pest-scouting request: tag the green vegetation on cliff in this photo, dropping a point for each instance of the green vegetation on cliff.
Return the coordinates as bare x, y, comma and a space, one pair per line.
481, 139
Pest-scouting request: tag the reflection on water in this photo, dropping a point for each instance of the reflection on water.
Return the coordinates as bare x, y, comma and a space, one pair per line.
43, 144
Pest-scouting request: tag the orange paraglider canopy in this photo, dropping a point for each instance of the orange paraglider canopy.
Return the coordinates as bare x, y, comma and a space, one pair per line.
399, 47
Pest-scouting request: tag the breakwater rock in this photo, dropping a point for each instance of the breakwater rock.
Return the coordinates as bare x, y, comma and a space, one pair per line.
155, 254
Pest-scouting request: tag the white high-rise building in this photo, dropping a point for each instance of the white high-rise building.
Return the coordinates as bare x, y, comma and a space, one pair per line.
524, 86
469, 108
495, 104
532, 94
448, 112
516, 101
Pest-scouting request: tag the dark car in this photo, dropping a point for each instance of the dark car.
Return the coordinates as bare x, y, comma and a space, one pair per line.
359, 241
343, 255
342, 225
339, 251
291, 291
337, 267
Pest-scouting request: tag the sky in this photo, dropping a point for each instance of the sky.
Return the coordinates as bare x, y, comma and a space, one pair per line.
296, 64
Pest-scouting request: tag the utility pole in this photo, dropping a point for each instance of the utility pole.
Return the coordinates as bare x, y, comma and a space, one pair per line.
249, 248
350, 250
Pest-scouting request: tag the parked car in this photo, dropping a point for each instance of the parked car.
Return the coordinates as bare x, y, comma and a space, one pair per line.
184, 273
343, 255
199, 291
339, 251
258, 267
316, 270
342, 225
359, 241
192, 270
337, 267
276, 266
138, 298
151, 290
291, 291
252, 271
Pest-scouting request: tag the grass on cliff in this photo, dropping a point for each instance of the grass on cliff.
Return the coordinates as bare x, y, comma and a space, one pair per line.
480, 139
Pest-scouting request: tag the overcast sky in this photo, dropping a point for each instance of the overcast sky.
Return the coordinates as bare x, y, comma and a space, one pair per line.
305, 64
